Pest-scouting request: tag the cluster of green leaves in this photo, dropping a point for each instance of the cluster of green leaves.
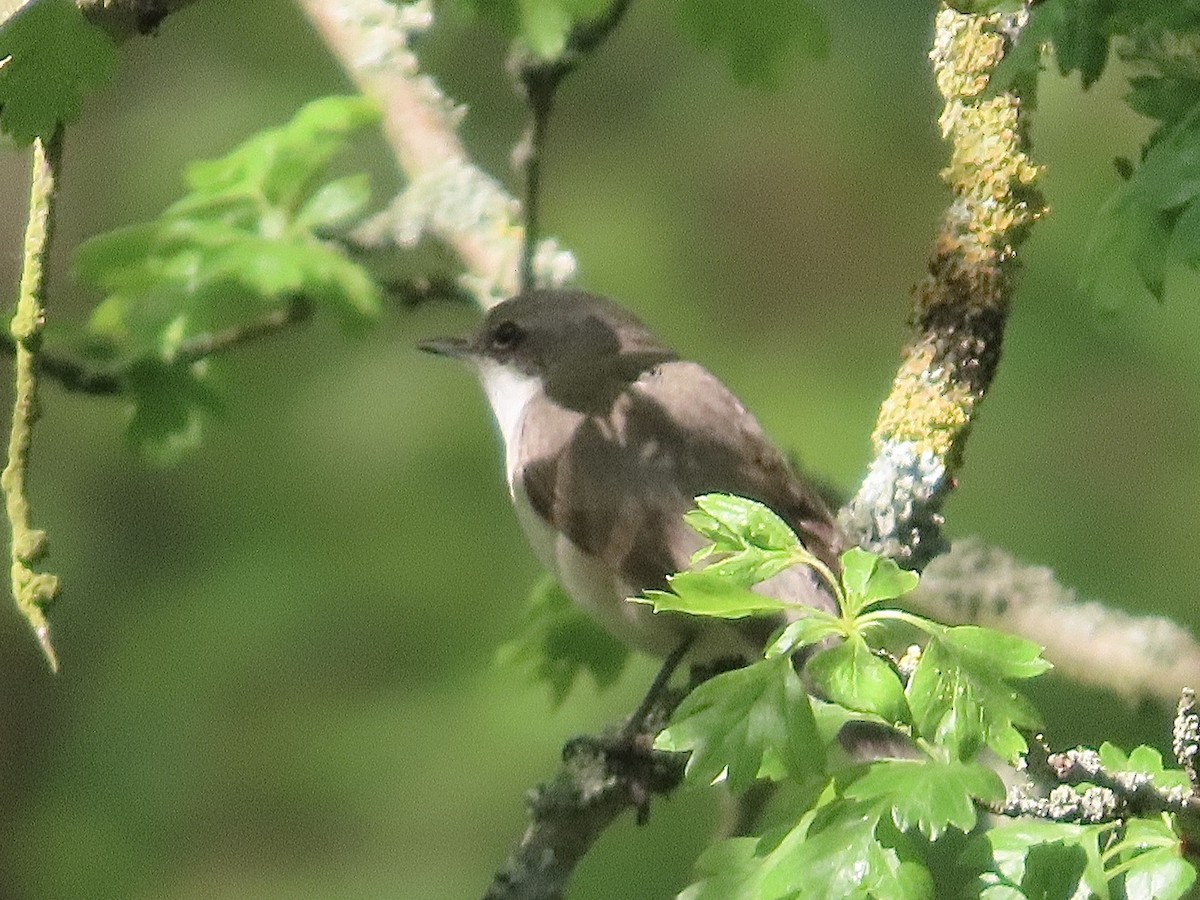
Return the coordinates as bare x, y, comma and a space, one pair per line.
1151, 223
556, 643
251, 235
757, 40
49, 57
876, 824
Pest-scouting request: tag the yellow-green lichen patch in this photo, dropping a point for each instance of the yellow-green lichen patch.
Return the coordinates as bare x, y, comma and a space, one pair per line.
925, 407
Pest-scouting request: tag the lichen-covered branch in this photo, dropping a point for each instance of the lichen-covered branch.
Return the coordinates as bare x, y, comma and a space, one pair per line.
962, 304
1136, 657
447, 196
1087, 791
31, 590
599, 780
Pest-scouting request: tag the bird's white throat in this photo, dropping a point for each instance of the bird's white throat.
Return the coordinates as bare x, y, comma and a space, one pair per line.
509, 392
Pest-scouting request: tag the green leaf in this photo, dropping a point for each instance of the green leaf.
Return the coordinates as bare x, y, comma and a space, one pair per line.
841, 855
49, 57
960, 700
1005, 655
1159, 875
850, 674
243, 242
336, 203
869, 579
814, 627
736, 523
1146, 760
1045, 860
707, 594
558, 642
732, 722
170, 404
756, 38
929, 795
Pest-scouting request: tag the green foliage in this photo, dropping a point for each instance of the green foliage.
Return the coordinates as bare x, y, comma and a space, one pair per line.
251, 236
757, 39
543, 26
852, 675
734, 722
49, 57
557, 642
876, 825
1140, 860
930, 795
1151, 223
960, 695
1147, 761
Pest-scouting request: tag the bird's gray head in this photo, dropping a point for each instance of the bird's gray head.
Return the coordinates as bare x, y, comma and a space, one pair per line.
581, 349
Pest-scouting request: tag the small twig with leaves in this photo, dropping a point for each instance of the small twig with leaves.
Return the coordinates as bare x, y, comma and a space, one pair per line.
32, 590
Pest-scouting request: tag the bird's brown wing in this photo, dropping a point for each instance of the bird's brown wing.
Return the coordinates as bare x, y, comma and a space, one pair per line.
617, 483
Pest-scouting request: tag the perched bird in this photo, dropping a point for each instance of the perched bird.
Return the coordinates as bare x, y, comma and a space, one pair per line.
608, 436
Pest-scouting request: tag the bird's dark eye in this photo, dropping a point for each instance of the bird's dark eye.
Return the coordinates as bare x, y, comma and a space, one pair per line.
506, 335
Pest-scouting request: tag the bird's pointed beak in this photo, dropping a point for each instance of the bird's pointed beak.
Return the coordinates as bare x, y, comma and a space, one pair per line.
454, 347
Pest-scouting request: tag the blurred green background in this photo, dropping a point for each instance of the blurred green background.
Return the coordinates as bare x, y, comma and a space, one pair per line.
277, 676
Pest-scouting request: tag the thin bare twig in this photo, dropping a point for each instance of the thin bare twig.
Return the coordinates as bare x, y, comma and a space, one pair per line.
539, 80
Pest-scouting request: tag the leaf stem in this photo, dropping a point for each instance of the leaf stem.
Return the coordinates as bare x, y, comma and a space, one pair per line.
31, 590
898, 615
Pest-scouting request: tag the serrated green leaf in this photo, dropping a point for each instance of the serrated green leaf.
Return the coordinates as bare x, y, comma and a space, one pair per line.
1045, 860
869, 579
335, 204
50, 56
730, 723
1146, 760
1145, 834
813, 628
169, 406
557, 642
850, 674
280, 163
242, 243
959, 701
841, 855
1005, 655
707, 594
929, 795
756, 38
1159, 875
735, 523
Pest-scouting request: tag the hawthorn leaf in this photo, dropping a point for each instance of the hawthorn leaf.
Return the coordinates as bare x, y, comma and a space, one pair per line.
927, 794
739, 722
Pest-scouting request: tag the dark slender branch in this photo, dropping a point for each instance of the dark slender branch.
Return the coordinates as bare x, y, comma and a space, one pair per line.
204, 345
539, 80
81, 377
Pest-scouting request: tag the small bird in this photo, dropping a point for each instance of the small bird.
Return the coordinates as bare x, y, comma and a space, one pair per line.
608, 437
